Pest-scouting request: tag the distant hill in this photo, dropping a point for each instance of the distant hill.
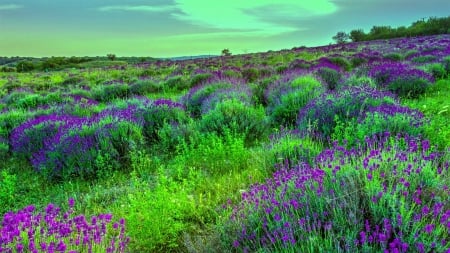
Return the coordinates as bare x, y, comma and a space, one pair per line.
182, 58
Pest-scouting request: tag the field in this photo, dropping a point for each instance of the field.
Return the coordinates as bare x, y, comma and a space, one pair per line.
340, 148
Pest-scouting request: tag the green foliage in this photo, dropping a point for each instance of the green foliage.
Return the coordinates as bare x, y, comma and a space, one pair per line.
394, 57
357, 61
216, 155
435, 105
178, 83
292, 149
197, 95
109, 92
90, 151
424, 59
250, 74
284, 110
356, 80
8, 189
437, 70
331, 77
157, 116
341, 62
199, 79
410, 87
431, 26
317, 117
238, 118
25, 66
341, 37
144, 87
4, 149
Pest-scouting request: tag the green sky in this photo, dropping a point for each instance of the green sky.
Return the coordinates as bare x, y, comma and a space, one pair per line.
166, 28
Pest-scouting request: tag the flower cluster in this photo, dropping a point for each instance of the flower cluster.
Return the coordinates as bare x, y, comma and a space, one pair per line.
54, 231
400, 78
392, 195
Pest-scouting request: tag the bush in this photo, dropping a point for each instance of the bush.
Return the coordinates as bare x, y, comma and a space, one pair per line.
242, 93
394, 57
199, 79
250, 74
90, 147
424, 59
290, 147
286, 99
160, 112
177, 83
378, 120
358, 61
390, 195
437, 70
237, 118
331, 77
317, 117
29, 137
144, 87
197, 95
341, 62
446, 64
401, 79
355, 80
109, 92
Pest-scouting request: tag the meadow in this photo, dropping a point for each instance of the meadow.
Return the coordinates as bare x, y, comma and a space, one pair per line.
339, 148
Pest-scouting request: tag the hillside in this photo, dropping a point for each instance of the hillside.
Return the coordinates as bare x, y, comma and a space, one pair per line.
337, 148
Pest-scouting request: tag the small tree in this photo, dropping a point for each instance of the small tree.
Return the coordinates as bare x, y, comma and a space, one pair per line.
341, 37
226, 52
112, 57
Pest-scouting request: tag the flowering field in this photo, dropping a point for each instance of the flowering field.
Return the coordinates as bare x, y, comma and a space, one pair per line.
340, 148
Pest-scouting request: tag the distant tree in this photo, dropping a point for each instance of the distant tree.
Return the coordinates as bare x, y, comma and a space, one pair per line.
226, 52
112, 57
357, 35
341, 37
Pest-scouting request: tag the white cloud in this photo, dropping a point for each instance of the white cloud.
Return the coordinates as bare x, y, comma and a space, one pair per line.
142, 8
239, 14
6, 7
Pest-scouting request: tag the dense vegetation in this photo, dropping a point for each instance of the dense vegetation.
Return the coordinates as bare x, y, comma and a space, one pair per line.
340, 148
431, 26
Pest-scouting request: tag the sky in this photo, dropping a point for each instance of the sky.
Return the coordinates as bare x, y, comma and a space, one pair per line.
169, 28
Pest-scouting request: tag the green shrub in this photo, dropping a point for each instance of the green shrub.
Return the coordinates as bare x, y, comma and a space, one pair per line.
250, 74
238, 118
358, 61
291, 148
199, 79
331, 77
197, 95
88, 148
178, 83
378, 120
446, 64
341, 62
161, 112
355, 80
394, 57
424, 59
284, 108
318, 116
109, 92
144, 87
8, 189
437, 70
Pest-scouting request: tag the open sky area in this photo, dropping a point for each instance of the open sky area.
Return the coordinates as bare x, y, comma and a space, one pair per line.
168, 28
